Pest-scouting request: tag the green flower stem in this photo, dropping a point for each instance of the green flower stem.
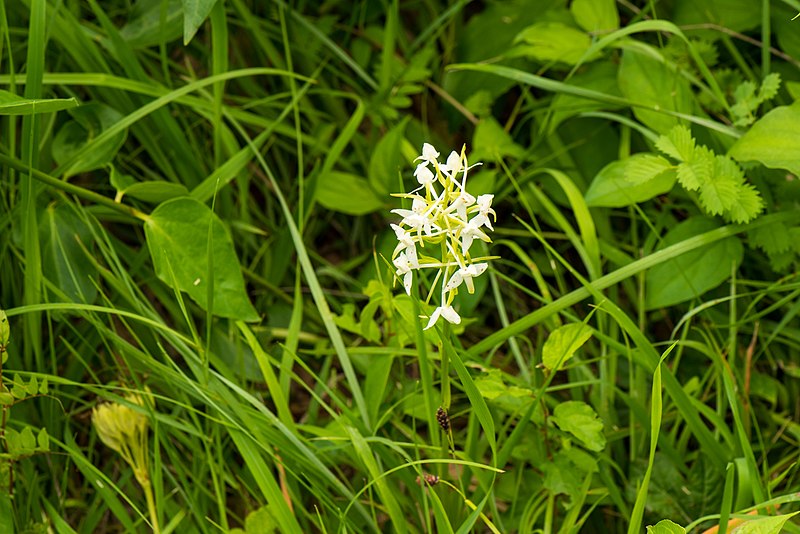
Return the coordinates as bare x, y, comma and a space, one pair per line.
151, 506
426, 375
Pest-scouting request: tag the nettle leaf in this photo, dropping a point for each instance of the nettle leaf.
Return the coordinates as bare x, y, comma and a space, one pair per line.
719, 192
611, 188
746, 101
678, 143
773, 140
665, 526
772, 238
553, 41
695, 272
644, 167
562, 343
747, 205
580, 420
177, 236
693, 174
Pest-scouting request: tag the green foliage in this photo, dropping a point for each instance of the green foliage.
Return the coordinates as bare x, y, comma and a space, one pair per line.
195, 203
719, 181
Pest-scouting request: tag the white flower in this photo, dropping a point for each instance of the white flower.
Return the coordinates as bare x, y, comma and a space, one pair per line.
429, 154
453, 165
469, 233
484, 209
418, 218
407, 245
423, 174
404, 268
460, 204
446, 311
466, 274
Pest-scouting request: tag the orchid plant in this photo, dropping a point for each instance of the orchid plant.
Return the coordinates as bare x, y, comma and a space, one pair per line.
443, 215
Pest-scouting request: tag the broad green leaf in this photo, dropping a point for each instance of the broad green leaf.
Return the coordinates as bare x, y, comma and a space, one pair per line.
580, 420
347, 193
387, 162
195, 13
492, 143
552, 41
507, 397
646, 80
736, 15
562, 343
177, 237
156, 192
260, 521
88, 122
145, 27
665, 526
66, 239
773, 140
763, 525
595, 15
611, 189
691, 274
772, 238
561, 476
11, 104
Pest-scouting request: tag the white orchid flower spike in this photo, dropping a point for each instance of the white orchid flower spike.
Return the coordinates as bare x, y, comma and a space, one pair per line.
441, 219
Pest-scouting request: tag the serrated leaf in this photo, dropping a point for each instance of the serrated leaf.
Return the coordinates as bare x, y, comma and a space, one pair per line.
719, 192
178, 240
678, 143
580, 420
772, 238
665, 526
562, 477
747, 206
562, 343
645, 167
693, 174
769, 87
